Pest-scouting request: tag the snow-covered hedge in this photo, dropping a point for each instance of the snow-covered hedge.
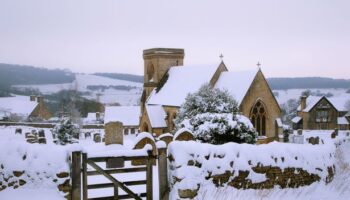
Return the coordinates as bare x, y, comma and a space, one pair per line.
194, 164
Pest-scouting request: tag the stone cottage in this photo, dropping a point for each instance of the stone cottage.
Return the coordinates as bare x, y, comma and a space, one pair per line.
167, 83
23, 108
322, 113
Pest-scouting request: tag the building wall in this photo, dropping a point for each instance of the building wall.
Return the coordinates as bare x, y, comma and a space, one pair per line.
309, 118
260, 90
41, 112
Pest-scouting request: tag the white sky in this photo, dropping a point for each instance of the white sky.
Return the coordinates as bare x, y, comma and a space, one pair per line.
289, 37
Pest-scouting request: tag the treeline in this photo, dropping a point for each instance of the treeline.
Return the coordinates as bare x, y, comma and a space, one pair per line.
126, 77
22, 75
307, 83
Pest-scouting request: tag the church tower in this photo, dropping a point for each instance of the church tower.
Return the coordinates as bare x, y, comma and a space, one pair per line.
157, 62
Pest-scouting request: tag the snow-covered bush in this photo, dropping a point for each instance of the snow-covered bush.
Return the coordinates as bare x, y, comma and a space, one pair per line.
210, 114
221, 128
65, 131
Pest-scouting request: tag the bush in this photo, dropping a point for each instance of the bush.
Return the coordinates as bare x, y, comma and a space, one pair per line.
211, 114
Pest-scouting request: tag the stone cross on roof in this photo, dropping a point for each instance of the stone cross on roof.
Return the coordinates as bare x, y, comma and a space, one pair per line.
221, 57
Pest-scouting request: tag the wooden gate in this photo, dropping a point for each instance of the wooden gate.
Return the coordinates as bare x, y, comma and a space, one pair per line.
80, 162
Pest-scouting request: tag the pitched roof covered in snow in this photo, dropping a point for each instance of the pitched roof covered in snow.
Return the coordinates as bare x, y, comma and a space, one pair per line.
236, 83
128, 115
156, 116
342, 121
19, 105
338, 102
182, 80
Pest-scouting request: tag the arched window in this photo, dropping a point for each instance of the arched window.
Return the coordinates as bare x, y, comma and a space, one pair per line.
258, 118
150, 72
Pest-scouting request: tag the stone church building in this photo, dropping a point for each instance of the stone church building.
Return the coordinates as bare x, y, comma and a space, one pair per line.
167, 82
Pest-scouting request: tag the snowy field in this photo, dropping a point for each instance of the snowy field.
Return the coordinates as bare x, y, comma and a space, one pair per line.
284, 95
107, 96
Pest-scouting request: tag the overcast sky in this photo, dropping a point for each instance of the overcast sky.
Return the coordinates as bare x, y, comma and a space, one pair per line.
290, 38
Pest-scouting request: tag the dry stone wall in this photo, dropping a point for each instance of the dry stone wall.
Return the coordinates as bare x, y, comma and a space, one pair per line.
244, 166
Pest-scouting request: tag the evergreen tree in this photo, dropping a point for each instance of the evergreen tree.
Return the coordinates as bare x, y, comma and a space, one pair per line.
211, 114
65, 132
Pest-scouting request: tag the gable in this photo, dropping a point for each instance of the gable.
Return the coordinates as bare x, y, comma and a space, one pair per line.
236, 83
323, 103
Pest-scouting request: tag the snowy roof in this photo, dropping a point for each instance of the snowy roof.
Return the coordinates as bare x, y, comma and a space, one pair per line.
236, 83
156, 116
20, 105
338, 102
182, 80
128, 115
279, 122
342, 121
296, 119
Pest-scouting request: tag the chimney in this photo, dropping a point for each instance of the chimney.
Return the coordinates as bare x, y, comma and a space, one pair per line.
40, 99
32, 97
303, 102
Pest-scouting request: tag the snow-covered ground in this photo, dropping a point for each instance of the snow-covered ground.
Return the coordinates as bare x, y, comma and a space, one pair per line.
108, 96
41, 155
284, 95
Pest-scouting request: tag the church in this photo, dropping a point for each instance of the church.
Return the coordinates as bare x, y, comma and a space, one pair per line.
167, 82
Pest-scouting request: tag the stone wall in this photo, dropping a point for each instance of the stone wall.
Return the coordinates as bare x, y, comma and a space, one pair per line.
243, 166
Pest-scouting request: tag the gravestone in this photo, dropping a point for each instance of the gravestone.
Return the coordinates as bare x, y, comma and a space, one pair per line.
31, 138
300, 131
42, 140
141, 144
97, 137
334, 135
114, 133
18, 131
42, 133
87, 135
167, 138
183, 136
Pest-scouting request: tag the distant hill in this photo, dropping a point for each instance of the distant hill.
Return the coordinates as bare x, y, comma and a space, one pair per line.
307, 83
126, 77
21, 74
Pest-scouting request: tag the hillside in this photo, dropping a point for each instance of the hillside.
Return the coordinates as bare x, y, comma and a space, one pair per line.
126, 77
307, 83
22, 75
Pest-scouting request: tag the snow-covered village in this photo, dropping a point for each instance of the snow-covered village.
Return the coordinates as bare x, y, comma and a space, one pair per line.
174, 100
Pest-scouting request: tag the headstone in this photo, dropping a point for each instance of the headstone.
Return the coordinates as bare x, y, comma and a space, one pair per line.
97, 137
42, 141
87, 135
300, 131
42, 133
184, 136
336, 131
27, 134
115, 163
140, 145
114, 133
34, 132
347, 134
18, 131
299, 139
291, 138
317, 140
166, 138
333, 135
76, 135
312, 140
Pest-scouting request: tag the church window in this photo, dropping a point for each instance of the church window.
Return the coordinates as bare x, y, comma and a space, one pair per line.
150, 72
258, 118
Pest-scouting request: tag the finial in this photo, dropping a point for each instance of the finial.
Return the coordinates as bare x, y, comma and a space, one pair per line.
221, 57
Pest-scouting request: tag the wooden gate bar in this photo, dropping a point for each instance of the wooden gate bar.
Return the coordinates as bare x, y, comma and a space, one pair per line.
111, 178
117, 171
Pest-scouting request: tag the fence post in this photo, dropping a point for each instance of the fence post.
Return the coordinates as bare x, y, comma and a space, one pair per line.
85, 183
162, 172
76, 175
149, 176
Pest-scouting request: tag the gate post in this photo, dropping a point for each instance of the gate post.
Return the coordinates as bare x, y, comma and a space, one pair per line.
149, 176
162, 172
76, 175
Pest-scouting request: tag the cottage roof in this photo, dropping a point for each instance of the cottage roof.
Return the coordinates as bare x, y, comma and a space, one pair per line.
19, 105
342, 121
182, 80
156, 116
236, 83
339, 103
296, 119
128, 115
